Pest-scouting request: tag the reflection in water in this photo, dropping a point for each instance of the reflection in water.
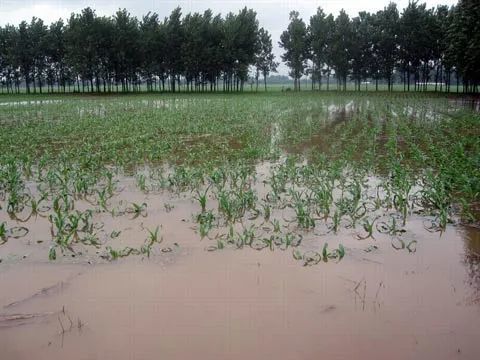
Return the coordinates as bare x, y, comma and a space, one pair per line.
31, 102
325, 116
472, 259
467, 103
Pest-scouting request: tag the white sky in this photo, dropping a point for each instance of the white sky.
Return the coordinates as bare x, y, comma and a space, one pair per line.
272, 14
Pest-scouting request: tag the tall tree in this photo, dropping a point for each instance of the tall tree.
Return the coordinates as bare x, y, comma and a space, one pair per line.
387, 41
151, 53
465, 43
361, 47
174, 37
126, 45
442, 20
55, 52
193, 48
82, 51
215, 51
265, 60
12, 69
414, 41
450, 58
319, 38
294, 41
24, 53
329, 49
38, 38
240, 46
341, 48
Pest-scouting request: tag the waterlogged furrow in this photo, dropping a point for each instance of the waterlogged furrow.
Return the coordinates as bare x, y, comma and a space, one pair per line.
269, 172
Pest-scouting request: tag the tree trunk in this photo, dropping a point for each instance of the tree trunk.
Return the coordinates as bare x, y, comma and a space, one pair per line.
172, 82
456, 75
27, 83
408, 79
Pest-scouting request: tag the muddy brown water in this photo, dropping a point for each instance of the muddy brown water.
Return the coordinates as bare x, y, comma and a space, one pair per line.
238, 304
185, 302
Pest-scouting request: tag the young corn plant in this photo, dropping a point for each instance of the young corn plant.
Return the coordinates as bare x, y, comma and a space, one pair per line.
390, 228
150, 241
338, 253
142, 183
202, 198
303, 216
246, 237
137, 210
3, 233
368, 226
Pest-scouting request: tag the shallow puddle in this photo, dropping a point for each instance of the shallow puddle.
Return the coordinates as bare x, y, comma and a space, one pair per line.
30, 102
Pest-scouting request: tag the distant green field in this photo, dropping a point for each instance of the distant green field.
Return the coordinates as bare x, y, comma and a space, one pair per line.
306, 85
126, 128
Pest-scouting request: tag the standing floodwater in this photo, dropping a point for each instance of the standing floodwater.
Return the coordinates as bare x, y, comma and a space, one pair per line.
225, 227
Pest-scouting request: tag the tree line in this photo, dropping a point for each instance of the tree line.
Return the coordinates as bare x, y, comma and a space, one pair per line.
209, 52
419, 46
120, 53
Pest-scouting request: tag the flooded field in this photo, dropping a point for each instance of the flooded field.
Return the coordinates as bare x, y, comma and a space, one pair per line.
286, 226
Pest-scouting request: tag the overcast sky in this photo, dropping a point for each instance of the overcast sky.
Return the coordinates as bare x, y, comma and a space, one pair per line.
272, 14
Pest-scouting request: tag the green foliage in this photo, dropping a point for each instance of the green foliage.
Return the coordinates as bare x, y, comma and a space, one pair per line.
294, 41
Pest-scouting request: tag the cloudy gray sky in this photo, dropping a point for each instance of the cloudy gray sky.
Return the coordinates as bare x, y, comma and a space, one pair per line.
272, 14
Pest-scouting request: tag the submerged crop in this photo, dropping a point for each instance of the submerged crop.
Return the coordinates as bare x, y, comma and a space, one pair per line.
274, 171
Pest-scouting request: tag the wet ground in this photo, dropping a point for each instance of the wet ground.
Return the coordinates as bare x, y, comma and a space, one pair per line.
382, 300
409, 292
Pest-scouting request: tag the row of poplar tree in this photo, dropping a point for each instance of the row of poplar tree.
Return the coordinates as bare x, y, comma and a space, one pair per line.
122, 53
417, 46
210, 52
